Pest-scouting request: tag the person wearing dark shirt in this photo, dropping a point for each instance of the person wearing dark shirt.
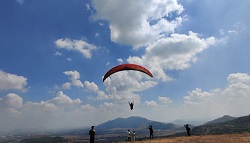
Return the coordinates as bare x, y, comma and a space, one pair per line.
92, 135
129, 135
188, 129
151, 132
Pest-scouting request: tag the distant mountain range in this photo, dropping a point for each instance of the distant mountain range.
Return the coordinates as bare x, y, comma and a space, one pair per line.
135, 122
221, 120
182, 122
131, 122
224, 125
116, 130
118, 127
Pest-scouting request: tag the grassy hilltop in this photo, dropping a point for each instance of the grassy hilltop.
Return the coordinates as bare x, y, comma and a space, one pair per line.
226, 138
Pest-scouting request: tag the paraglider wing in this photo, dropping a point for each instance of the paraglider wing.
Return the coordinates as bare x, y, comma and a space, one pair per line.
127, 67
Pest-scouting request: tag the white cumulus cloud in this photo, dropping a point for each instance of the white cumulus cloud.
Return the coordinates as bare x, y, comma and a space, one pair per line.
11, 81
76, 45
75, 79
62, 99
91, 86
138, 22
233, 100
151, 103
11, 100
165, 100
176, 52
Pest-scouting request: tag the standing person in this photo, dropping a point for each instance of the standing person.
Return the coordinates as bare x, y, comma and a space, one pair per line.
133, 136
151, 132
188, 129
129, 135
92, 135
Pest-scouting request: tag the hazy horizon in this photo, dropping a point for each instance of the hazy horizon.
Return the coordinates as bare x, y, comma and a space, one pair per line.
195, 122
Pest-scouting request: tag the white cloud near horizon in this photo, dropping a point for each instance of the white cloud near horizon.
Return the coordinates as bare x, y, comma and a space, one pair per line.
32, 114
10, 104
76, 45
233, 100
63, 99
12, 81
54, 113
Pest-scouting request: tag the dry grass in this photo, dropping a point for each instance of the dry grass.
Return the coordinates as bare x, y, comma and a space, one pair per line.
228, 138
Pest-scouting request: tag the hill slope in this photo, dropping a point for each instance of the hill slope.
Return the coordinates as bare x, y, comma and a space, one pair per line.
227, 138
134, 122
221, 120
238, 125
131, 122
192, 122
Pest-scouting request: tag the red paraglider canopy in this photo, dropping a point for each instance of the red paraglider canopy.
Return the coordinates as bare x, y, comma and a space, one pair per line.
127, 67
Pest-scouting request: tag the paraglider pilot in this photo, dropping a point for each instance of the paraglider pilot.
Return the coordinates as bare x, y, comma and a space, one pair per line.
131, 104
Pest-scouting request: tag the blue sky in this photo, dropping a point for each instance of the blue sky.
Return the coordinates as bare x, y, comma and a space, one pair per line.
55, 53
